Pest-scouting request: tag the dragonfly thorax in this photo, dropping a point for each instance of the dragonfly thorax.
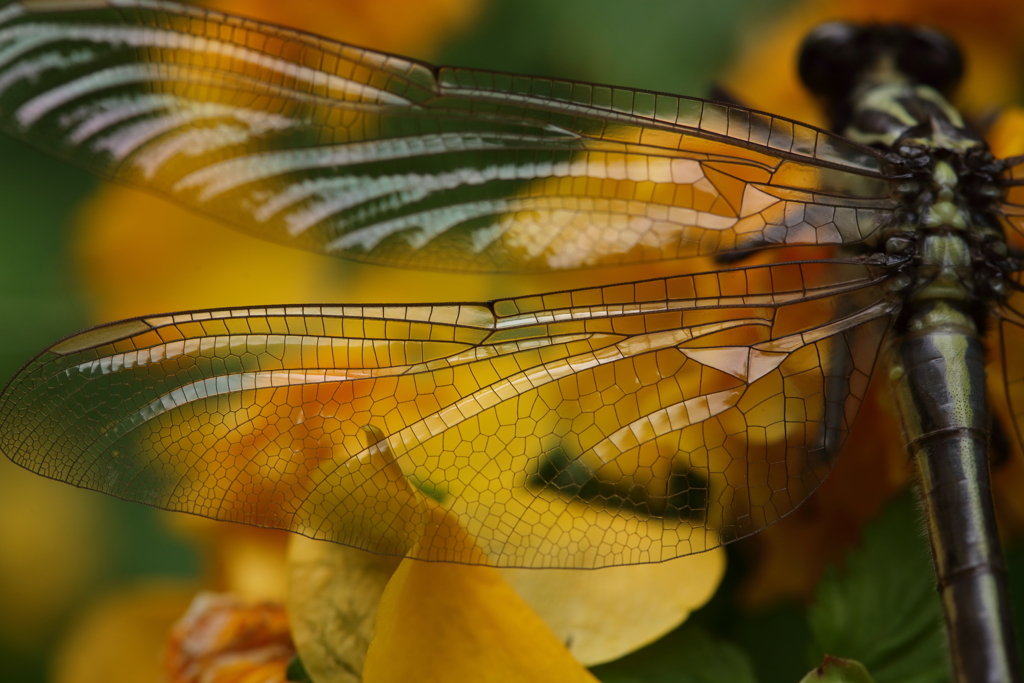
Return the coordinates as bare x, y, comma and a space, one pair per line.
887, 87
945, 245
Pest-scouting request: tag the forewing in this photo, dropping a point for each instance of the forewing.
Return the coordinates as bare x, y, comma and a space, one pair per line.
624, 424
376, 157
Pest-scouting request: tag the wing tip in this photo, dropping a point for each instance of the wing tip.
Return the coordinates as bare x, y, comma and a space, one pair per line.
98, 336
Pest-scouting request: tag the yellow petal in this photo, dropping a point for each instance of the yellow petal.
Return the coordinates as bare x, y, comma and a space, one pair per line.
607, 613
122, 638
442, 622
243, 560
367, 501
249, 562
52, 548
333, 592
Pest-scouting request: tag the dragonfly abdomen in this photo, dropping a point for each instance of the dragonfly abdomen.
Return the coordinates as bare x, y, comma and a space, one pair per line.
940, 381
947, 282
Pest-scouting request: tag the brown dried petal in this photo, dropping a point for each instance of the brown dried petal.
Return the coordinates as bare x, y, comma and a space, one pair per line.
222, 639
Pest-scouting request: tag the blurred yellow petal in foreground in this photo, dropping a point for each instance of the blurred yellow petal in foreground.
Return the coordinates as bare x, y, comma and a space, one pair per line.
560, 619
607, 613
599, 615
441, 622
122, 639
51, 549
243, 560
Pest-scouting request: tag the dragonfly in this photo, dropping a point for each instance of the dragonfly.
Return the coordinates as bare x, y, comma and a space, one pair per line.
604, 425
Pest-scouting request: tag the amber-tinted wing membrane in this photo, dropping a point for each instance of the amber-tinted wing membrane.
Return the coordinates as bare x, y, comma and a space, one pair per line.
623, 424
371, 156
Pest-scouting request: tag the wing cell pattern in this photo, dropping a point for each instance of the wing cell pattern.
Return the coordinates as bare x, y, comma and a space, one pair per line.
595, 427
376, 157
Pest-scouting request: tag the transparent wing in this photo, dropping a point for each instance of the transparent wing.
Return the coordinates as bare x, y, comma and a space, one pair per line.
1012, 206
376, 157
623, 424
1009, 329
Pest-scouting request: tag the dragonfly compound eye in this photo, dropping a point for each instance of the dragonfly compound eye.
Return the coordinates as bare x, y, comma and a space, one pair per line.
930, 58
834, 55
831, 57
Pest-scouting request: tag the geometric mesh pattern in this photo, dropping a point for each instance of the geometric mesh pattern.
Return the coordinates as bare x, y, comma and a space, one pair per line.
623, 424
600, 426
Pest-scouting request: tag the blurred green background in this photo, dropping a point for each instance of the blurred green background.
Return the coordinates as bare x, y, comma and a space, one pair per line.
670, 45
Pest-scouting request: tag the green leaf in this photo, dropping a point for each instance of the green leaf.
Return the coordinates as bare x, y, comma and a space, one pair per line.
776, 640
687, 655
685, 45
883, 609
296, 672
835, 670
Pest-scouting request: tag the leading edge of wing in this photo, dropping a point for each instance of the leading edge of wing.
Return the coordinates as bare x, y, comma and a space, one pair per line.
384, 159
716, 120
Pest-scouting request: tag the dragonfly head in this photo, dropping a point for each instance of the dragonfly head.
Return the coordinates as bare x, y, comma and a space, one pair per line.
838, 60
